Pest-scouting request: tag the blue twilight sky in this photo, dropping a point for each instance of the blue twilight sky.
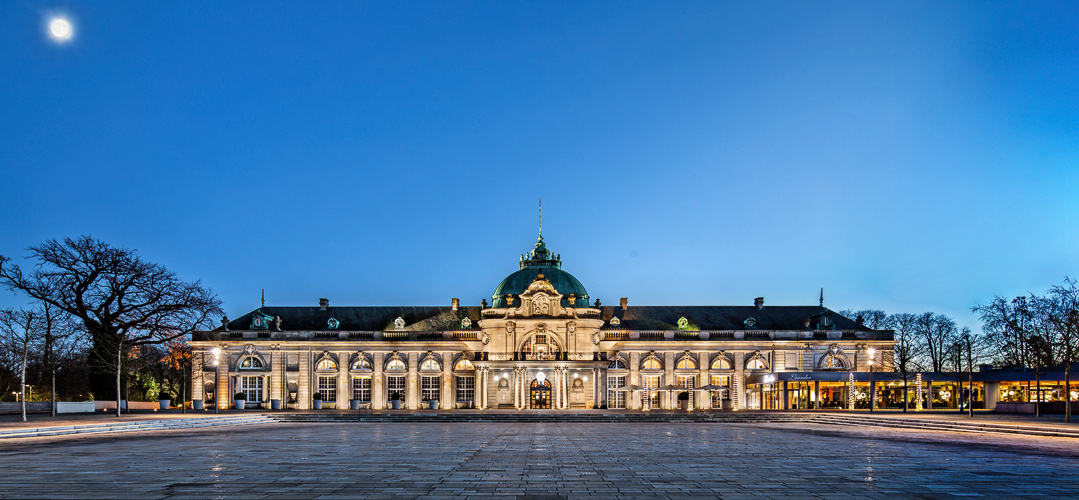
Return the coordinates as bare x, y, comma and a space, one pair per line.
901, 155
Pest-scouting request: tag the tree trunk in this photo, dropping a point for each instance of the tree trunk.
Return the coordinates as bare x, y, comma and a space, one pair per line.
53, 392
1067, 391
119, 352
25, 353
906, 397
183, 387
1038, 393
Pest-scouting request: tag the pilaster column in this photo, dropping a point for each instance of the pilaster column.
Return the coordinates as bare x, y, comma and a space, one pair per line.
666, 399
449, 396
595, 388
633, 399
516, 391
378, 392
481, 377
344, 387
565, 387
702, 398
412, 381
738, 382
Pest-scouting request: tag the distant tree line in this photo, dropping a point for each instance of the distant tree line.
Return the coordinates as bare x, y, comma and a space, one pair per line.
100, 323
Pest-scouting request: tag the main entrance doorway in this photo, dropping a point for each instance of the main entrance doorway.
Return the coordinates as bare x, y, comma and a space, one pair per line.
540, 395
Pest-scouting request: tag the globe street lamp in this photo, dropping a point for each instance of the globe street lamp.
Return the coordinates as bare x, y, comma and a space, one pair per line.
872, 389
217, 379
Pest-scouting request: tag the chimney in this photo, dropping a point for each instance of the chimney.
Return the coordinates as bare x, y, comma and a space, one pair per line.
323, 304
759, 302
456, 302
625, 302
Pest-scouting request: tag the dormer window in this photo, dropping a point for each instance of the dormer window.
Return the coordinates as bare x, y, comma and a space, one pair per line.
683, 322
750, 322
615, 322
466, 324
332, 323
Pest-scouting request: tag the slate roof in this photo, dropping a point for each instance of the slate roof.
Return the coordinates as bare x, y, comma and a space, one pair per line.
431, 318
725, 318
363, 318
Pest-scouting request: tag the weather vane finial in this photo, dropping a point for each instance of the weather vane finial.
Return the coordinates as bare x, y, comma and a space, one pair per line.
263, 298
822, 297
541, 218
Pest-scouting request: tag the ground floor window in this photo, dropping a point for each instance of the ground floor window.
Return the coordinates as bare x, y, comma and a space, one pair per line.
429, 388
252, 388
361, 389
833, 395
719, 395
616, 399
650, 397
395, 384
466, 388
690, 383
800, 395
327, 386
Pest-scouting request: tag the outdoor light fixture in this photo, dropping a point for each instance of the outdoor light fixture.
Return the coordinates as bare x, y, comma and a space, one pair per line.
574, 374
217, 378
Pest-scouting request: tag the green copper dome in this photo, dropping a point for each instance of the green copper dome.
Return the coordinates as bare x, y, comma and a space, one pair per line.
540, 260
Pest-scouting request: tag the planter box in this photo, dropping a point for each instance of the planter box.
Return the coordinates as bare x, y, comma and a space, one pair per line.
275, 404
75, 407
396, 405
433, 404
239, 403
354, 404
316, 404
196, 404
164, 403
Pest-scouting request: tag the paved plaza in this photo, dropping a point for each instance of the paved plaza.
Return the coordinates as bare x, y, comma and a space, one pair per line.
539, 460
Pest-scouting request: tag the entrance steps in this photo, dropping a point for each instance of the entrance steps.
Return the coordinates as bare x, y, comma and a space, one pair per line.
542, 416
134, 426
951, 425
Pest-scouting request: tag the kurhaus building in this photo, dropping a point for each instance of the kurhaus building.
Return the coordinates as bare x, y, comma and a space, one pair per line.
542, 343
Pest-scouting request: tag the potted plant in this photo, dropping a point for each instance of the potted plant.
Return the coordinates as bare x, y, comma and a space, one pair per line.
238, 399
164, 400
316, 400
683, 400
395, 400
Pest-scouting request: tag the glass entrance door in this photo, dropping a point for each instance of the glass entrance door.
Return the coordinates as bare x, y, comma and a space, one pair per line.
540, 395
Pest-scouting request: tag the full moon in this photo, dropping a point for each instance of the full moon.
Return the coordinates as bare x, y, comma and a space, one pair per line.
60, 30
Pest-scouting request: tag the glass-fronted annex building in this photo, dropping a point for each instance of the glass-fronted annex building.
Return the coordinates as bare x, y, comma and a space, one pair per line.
541, 344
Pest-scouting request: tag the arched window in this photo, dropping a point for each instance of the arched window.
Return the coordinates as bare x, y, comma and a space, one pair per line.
250, 363
464, 364
685, 364
721, 363
430, 364
756, 364
616, 365
651, 364
395, 364
361, 363
326, 364
833, 362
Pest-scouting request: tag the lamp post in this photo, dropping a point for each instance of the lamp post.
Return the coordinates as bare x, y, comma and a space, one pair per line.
872, 388
217, 380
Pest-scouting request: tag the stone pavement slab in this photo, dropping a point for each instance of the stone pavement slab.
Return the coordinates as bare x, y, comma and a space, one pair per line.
538, 460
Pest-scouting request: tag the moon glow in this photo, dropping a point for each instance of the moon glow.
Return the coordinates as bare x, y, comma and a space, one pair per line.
60, 29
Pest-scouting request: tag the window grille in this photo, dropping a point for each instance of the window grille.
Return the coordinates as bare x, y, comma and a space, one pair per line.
327, 386
429, 388
466, 388
361, 389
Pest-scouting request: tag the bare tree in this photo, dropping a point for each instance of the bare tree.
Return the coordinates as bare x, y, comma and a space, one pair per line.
120, 299
935, 333
873, 319
906, 350
1064, 317
22, 329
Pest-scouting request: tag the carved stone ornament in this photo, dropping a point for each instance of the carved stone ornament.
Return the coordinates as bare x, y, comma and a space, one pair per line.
541, 327
486, 338
571, 327
277, 323
541, 305
225, 323
399, 323
249, 350
511, 327
595, 339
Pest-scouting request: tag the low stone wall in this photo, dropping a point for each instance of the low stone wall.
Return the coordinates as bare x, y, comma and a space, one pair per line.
76, 406
134, 405
15, 408
1048, 408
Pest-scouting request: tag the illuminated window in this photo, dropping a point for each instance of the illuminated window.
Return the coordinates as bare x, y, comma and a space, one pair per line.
395, 364
430, 364
327, 386
326, 364
721, 363
464, 364
252, 388
361, 363
251, 363
685, 364
651, 364
756, 364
